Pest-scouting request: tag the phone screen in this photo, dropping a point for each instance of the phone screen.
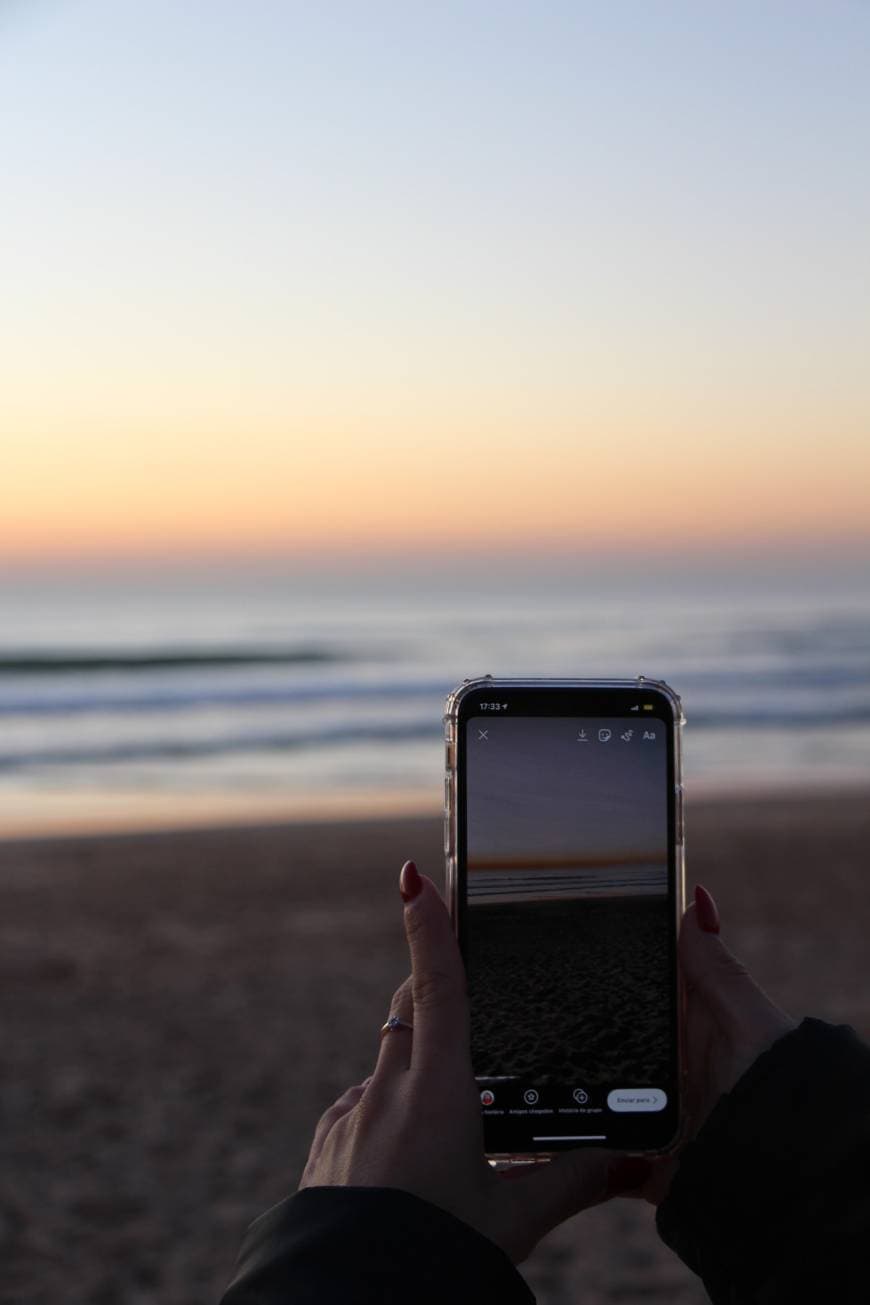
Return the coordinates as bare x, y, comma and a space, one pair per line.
567, 875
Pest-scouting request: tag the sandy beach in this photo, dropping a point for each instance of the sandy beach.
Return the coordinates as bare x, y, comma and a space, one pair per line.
588, 991
179, 1008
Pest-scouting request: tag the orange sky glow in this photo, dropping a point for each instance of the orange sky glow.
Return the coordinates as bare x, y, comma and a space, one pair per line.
621, 310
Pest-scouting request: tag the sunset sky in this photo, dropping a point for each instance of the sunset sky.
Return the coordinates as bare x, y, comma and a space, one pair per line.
338, 277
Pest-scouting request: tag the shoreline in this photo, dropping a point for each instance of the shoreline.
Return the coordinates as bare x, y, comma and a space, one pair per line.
132, 815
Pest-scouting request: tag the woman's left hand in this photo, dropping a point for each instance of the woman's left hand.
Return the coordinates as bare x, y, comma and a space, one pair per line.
416, 1123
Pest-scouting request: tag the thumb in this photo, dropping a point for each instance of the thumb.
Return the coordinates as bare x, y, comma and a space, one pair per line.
713, 973
438, 982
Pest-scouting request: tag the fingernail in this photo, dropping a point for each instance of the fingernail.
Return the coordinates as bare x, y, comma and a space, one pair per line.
626, 1175
410, 882
708, 911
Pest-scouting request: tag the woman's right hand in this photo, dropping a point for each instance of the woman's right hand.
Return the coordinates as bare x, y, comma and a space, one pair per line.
730, 1021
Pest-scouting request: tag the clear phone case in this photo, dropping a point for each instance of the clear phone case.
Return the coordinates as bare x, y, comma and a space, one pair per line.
451, 823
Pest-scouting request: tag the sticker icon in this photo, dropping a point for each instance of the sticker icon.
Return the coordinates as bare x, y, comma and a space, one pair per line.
604, 735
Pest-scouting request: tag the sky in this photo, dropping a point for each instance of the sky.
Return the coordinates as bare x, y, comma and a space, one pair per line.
334, 279
534, 792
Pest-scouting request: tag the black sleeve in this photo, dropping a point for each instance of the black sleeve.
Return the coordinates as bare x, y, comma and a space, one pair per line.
369, 1246
771, 1202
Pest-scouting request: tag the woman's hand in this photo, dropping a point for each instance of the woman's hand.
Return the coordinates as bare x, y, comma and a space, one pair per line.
730, 1021
416, 1123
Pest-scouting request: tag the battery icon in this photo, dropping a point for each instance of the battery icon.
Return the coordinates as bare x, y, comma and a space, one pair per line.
648, 706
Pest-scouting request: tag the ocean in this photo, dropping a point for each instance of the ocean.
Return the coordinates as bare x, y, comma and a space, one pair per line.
226, 693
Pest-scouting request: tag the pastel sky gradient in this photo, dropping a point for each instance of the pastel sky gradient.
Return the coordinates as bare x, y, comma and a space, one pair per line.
305, 277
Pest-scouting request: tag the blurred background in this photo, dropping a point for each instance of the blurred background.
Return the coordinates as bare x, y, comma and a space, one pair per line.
346, 351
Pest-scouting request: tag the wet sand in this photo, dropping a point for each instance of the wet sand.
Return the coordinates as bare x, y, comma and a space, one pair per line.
178, 1009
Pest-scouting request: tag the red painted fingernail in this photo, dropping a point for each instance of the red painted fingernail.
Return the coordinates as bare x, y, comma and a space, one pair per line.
626, 1175
708, 911
410, 882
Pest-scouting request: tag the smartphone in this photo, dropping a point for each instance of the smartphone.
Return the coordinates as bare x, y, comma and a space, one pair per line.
565, 880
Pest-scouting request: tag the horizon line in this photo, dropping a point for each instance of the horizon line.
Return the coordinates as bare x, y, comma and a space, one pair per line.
790, 549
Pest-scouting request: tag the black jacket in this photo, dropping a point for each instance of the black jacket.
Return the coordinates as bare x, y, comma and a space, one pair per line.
770, 1206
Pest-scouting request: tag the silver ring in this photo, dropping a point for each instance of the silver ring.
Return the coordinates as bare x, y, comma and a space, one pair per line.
394, 1024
